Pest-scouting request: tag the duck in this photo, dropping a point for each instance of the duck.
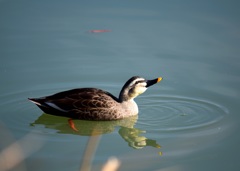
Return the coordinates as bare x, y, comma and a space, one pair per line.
96, 104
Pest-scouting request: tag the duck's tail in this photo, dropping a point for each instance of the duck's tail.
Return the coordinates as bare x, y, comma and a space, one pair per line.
41, 104
36, 101
47, 107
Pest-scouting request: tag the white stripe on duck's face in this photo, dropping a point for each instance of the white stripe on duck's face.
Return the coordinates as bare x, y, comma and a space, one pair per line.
137, 87
138, 81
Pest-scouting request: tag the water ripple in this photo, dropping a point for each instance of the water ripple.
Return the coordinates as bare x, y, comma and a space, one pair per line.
168, 113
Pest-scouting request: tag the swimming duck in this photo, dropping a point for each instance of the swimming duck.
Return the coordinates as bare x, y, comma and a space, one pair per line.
96, 104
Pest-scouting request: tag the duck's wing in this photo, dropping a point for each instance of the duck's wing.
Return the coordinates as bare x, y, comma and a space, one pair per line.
84, 100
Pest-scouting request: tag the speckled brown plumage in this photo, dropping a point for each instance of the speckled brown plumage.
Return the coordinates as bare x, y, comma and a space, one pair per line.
95, 104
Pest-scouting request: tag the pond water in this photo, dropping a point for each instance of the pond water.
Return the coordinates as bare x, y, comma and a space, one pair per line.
189, 121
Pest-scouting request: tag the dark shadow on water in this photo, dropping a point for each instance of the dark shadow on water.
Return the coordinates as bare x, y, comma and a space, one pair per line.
126, 130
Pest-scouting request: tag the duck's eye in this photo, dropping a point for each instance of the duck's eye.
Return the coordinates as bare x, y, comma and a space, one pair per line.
139, 82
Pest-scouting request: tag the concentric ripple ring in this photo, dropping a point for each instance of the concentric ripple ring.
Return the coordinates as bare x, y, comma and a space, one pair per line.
179, 113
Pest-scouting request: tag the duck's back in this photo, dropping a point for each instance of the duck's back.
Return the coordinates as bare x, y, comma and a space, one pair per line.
83, 103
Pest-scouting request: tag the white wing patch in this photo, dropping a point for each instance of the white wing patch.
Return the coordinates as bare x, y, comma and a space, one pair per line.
55, 106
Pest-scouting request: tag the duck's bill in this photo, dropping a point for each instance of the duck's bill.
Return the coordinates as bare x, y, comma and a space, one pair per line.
152, 82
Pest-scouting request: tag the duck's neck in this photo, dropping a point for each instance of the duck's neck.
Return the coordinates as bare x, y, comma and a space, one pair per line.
127, 103
123, 96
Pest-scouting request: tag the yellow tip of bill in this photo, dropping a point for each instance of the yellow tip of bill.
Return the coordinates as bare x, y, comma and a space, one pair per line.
159, 79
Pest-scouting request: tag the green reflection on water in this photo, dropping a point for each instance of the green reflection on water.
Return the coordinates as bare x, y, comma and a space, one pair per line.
126, 130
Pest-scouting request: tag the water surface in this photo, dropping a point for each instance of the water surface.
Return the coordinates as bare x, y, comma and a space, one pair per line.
189, 121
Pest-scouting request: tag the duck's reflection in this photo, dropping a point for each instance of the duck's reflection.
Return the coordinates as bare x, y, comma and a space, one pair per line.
134, 139
88, 128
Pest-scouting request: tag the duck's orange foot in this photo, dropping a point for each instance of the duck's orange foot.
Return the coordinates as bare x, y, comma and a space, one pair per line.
72, 125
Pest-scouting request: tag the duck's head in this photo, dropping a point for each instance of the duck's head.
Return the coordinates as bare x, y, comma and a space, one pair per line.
136, 86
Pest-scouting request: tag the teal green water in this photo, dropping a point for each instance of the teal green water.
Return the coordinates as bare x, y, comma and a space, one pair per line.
189, 121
